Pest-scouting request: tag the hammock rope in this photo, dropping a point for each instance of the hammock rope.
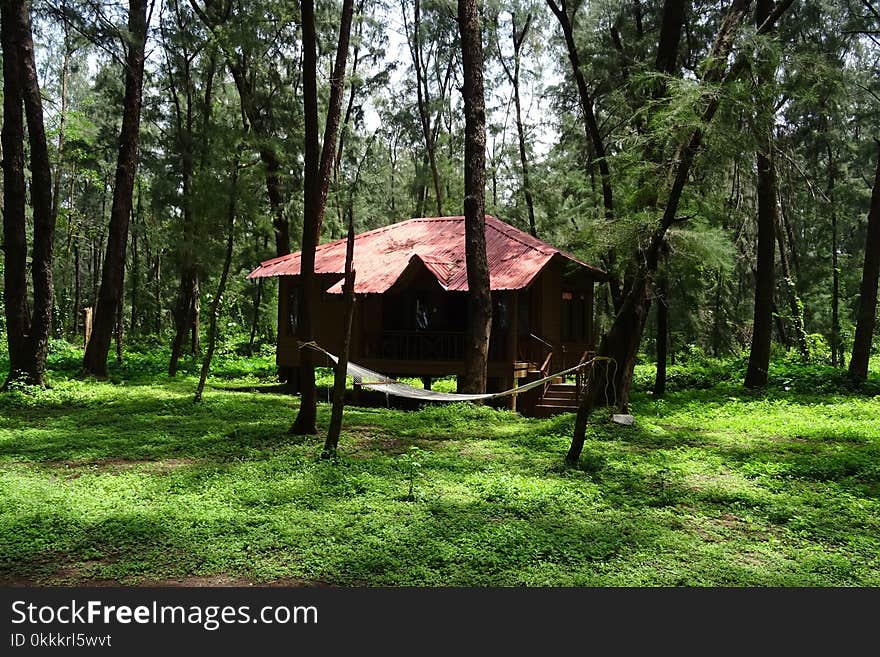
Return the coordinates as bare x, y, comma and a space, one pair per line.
376, 381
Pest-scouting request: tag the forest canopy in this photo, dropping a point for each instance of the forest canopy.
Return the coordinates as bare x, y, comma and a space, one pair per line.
162, 118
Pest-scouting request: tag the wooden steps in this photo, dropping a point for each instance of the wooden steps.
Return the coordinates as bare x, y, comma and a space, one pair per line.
521, 369
559, 398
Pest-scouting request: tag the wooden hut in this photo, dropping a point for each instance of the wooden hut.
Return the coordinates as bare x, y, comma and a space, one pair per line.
411, 312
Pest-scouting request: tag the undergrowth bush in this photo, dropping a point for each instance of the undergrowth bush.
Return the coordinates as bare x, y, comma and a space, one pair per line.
146, 359
787, 374
695, 373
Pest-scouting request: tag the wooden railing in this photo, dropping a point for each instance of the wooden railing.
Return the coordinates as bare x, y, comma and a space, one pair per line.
582, 374
416, 345
423, 345
545, 346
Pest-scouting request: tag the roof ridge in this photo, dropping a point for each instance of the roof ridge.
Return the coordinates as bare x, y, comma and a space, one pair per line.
503, 229
374, 231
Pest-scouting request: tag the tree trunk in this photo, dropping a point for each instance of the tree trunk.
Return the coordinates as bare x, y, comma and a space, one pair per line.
759, 355
318, 166
716, 317
214, 15
183, 317
256, 316
594, 137
32, 344
271, 162
77, 293
14, 195
609, 379
423, 102
867, 312
119, 312
87, 325
591, 125
792, 245
479, 294
276, 200
95, 360
181, 92
670, 36
794, 302
340, 375
519, 37
41, 202
195, 345
619, 346
221, 286
135, 263
62, 123
836, 350
157, 293
662, 334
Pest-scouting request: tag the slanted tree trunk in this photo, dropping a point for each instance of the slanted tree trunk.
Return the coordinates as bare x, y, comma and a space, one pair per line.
591, 124
95, 360
867, 313
599, 154
662, 334
318, 164
619, 345
259, 118
221, 286
479, 296
423, 100
341, 371
518, 36
762, 327
260, 125
29, 348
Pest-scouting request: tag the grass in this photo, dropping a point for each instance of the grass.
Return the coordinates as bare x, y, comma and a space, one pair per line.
128, 481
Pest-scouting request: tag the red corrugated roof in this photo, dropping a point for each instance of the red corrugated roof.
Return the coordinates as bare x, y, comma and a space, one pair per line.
381, 255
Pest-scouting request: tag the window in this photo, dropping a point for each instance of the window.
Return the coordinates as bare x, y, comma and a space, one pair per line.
500, 320
574, 316
524, 315
292, 309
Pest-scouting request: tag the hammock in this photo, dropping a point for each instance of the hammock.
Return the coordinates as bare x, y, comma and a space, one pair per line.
375, 381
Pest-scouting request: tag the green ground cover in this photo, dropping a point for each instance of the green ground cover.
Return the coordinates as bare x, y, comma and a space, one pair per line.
128, 481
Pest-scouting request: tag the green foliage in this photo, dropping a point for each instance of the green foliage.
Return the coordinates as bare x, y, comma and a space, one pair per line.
695, 374
412, 469
696, 371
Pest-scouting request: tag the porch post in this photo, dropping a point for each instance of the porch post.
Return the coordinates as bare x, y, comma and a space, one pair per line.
512, 342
